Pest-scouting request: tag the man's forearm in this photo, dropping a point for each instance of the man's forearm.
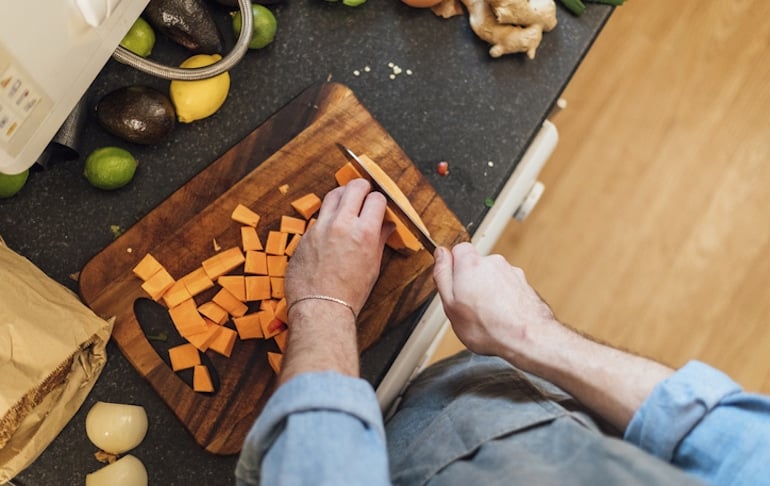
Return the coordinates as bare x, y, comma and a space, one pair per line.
612, 383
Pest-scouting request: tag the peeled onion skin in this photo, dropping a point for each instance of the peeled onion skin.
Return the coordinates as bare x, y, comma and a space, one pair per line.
115, 427
126, 471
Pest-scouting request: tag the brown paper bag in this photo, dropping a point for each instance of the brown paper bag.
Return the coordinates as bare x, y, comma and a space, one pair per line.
52, 349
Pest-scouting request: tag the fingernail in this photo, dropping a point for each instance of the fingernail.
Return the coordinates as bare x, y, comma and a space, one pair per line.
439, 254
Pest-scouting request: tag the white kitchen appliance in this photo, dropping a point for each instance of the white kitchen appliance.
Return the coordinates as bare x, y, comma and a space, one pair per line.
50, 53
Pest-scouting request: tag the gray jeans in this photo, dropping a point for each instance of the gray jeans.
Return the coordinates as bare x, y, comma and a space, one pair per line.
476, 420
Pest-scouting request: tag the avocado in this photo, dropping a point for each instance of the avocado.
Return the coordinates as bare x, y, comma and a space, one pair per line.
138, 114
187, 22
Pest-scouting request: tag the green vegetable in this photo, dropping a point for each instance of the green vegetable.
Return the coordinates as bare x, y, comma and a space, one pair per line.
577, 7
608, 2
489, 202
353, 3
160, 336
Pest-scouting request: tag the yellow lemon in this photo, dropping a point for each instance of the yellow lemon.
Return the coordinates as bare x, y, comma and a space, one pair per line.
195, 100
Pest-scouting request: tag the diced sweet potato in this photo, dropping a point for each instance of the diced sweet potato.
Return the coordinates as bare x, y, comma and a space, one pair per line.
250, 239
176, 294
276, 243
187, 319
249, 326
310, 224
291, 247
230, 303
275, 360
292, 225
147, 267
281, 311
214, 311
307, 205
257, 288
276, 265
202, 379
202, 340
268, 304
401, 240
276, 287
223, 341
256, 263
281, 340
246, 216
184, 356
346, 173
234, 284
157, 285
223, 262
197, 281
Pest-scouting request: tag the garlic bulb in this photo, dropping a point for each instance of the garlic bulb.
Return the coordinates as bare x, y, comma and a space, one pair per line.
126, 471
115, 427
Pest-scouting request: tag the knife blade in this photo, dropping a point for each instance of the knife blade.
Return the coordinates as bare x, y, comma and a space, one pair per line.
419, 231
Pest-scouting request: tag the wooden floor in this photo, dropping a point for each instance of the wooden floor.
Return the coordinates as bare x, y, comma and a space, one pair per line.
654, 230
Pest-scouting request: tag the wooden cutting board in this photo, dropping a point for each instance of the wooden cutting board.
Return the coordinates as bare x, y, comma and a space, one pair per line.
296, 146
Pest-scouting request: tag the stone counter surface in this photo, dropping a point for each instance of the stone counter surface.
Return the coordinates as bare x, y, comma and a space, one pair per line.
458, 105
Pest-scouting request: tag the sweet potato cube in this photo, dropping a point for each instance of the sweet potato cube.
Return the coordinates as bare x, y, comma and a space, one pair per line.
176, 294
230, 303
246, 216
281, 340
276, 243
256, 263
202, 340
291, 247
202, 379
270, 325
292, 225
250, 239
223, 262
223, 341
184, 356
249, 326
268, 304
197, 281
346, 173
307, 205
213, 311
310, 224
147, 267
401, 239
157, 285
234, 284
275, 360
257, 288
186, 318
276, 265
276, 287
281, 311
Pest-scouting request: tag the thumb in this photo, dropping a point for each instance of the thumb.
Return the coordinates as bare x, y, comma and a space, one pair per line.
443, 275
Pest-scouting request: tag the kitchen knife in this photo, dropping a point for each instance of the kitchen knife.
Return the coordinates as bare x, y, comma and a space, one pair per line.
415, 227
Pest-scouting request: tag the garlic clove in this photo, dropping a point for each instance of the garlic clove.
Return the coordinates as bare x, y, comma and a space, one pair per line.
116, 427
126, 471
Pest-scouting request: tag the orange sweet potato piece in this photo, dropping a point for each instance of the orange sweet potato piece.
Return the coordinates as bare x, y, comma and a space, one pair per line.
183, 356
197, 281
157, 285
186, 318
224, 340
270, 325
292, 225
249, 326
250, 239
147, 267
281, 340
276, 243
214, 311
276, 265
202, 340
223, 262
176, 294
346, 173
307, 205
293, 243
268, 304
246, 216
257, 288
256, 263
401, 240
230, 303
202, 379
276, 287
234, 284
281, 311
275, 360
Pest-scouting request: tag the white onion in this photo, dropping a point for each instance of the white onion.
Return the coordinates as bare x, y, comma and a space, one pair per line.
115, 427
126, 471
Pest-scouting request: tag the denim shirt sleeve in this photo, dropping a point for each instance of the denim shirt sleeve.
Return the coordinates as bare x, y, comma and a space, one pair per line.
318, 428
703, 422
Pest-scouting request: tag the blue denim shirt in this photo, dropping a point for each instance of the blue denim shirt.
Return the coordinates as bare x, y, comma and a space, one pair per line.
476, 419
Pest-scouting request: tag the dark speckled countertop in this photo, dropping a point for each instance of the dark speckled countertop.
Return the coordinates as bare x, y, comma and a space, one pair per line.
459, 105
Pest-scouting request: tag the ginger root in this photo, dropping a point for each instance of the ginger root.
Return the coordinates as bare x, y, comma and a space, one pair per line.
510, 26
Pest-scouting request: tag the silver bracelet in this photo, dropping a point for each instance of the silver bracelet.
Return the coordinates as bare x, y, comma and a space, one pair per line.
326, 298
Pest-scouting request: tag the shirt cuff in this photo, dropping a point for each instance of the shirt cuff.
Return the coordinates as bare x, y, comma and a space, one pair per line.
676, 406
325, 390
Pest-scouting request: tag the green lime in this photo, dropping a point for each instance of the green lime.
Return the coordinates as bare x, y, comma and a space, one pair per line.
140, 38
11, 184
264, 26
110, 168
